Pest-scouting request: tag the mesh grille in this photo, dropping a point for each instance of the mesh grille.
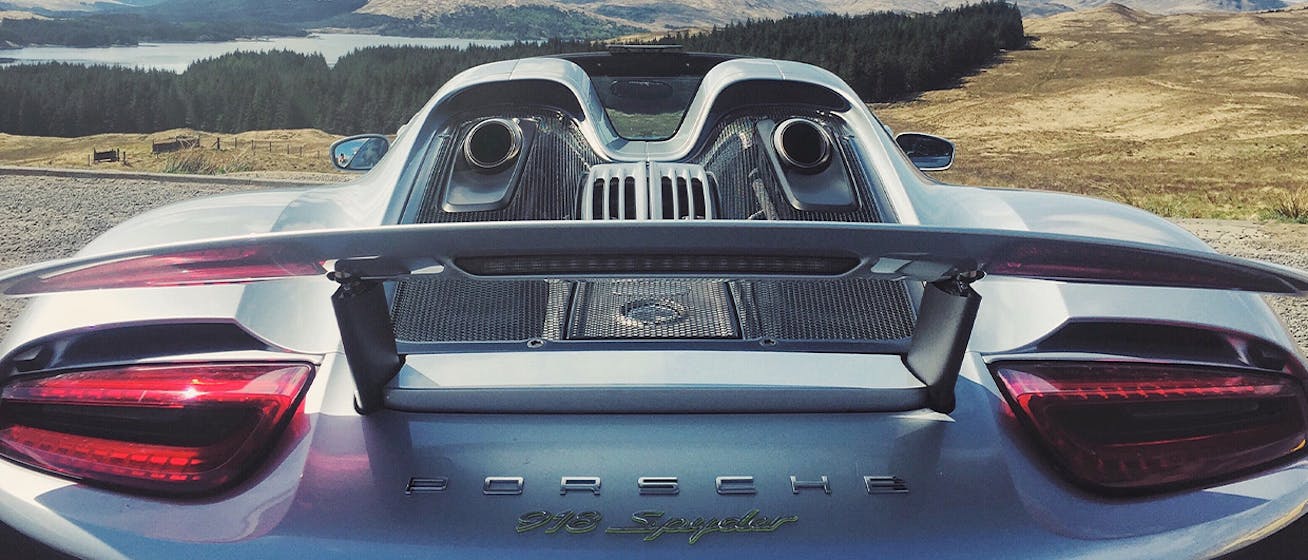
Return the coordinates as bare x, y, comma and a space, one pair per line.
462, 310
857, 309
558, 159
737, 160
450, 309
653, 309
458, 310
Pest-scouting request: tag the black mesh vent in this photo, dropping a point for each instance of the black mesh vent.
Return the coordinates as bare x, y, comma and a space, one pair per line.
736, 158
557, 162
457, 310
857, 309
559, 159
653, 309
461, 310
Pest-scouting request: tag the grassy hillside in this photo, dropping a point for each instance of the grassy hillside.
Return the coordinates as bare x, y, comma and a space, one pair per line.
1196, 115
290, 150
505, 22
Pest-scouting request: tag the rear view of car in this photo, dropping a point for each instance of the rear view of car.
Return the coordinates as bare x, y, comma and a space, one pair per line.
650, 304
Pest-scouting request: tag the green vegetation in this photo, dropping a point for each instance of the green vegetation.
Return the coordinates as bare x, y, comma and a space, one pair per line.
1291, 206
290, 11
205, 162
128, 29
481, 22
884, 56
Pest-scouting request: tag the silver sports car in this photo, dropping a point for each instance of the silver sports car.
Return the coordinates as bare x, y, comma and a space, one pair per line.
647, 303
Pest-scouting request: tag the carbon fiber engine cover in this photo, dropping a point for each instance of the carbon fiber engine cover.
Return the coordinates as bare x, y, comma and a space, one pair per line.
653, 309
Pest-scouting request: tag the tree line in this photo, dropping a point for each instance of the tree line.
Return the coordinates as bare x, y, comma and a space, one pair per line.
486, 22
883, 56
102, 30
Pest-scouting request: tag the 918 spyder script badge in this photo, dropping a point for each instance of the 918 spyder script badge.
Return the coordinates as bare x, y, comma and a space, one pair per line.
652, 524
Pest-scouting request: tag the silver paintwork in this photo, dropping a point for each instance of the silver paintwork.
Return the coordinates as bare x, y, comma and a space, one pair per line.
333, 484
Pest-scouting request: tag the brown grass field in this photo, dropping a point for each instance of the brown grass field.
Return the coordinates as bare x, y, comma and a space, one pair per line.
1195, 115
302, 150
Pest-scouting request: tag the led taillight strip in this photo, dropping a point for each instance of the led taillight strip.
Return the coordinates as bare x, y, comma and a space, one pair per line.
229, 265
58, 451
1127, 427
170, 429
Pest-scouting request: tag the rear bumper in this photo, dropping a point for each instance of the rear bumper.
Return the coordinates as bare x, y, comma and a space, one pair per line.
337, 486
17, 545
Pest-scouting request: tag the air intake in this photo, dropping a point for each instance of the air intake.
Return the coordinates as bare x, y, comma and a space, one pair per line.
647, 191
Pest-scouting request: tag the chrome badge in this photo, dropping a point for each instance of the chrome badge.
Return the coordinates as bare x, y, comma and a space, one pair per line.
652, 524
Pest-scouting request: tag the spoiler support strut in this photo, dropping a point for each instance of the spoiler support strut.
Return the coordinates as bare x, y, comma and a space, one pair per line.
944, 325
367, 336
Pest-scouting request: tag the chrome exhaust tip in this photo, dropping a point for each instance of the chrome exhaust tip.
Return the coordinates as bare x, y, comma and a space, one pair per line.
802, 143
492, 143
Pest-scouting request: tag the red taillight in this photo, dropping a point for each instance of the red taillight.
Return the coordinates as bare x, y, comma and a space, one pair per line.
175, 429
215, 266
1139, 427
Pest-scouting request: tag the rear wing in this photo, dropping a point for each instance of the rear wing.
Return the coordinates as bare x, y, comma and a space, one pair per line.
947, 260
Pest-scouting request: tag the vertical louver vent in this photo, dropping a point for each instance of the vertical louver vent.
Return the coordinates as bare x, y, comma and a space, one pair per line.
647, 191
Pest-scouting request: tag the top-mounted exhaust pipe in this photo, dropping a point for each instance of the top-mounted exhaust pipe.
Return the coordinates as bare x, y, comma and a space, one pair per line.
802, 143
492, 143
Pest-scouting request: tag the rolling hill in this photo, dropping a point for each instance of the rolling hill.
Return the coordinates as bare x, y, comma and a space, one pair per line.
1188, 115
661, 14
49, 6
425, 17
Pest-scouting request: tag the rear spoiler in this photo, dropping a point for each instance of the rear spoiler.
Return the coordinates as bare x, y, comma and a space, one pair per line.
947, 260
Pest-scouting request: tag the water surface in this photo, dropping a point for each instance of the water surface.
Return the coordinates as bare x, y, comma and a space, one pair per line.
176, 57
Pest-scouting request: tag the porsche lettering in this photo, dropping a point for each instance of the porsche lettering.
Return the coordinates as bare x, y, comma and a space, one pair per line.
656, 485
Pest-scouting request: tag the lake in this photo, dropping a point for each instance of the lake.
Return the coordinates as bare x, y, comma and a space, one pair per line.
176, 57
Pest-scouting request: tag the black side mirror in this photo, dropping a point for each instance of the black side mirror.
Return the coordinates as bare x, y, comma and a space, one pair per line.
927, 152
359, 153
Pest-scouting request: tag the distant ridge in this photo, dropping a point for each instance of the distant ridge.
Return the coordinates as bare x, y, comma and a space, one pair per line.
660, 14
651, 15
1124, 12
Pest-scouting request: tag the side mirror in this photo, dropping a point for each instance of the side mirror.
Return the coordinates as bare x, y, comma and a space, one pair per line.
927, 152
359, 153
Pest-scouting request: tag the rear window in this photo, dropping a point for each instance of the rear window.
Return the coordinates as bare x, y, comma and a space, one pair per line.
646, 107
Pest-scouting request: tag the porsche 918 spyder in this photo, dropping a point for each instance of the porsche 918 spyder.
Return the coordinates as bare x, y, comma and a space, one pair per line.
649, 304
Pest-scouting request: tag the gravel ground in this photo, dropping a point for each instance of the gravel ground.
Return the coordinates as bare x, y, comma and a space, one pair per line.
1285, 244
53, 217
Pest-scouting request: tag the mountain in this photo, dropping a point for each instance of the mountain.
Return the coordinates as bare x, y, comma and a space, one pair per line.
279, 11
70, 5
662, 14
532, 19
1049, 7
